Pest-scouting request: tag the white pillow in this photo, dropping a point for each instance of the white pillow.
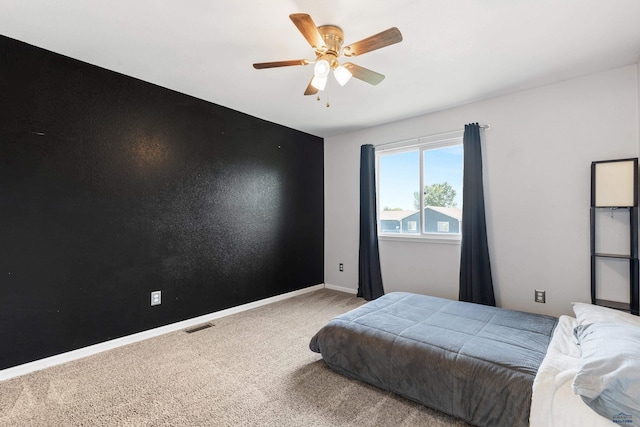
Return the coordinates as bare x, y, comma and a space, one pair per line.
609, 376
589, 313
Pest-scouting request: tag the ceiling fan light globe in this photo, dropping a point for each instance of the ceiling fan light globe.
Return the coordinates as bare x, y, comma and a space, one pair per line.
319, 82
342, 75
322, 68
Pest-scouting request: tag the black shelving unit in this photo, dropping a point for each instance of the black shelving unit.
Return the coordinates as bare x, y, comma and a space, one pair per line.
632, 257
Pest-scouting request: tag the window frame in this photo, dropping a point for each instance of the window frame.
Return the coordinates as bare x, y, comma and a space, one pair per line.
421, 145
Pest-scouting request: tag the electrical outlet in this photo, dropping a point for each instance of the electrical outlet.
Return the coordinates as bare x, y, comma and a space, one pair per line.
156, 297
341, 267
540, 296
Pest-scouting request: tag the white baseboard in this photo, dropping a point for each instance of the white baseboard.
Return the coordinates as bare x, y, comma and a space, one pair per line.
341, 289
59, 359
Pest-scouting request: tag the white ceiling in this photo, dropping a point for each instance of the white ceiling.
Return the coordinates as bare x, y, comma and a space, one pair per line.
453, 52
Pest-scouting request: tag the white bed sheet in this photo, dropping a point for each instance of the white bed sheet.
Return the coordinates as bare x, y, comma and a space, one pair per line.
553, 403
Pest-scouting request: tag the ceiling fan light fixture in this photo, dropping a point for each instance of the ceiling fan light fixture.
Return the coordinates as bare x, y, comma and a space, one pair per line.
322, 68
342, 75
319, 82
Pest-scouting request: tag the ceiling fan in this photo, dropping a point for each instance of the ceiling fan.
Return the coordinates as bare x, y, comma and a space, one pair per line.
327, 40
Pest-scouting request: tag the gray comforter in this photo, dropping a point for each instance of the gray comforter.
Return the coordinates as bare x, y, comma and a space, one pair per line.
469, 360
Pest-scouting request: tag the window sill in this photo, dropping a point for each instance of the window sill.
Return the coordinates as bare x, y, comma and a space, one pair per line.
445, 239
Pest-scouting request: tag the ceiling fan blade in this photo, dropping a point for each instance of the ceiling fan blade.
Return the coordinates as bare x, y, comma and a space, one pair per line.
308, 29
261, 65
377, 41
311, 89
364, 74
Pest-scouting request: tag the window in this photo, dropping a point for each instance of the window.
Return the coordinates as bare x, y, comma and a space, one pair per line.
420, 189
443, 227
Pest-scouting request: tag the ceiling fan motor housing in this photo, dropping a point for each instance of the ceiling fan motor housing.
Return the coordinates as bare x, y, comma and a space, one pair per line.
333, 37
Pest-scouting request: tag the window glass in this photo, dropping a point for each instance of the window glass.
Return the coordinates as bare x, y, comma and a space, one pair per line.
398, 181
442, 191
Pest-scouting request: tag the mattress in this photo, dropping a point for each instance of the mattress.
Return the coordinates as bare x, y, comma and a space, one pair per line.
475, 362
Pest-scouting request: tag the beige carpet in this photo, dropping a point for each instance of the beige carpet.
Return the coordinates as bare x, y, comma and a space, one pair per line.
250, 369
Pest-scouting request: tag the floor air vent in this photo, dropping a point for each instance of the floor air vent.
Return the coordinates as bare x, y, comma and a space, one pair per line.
198, 328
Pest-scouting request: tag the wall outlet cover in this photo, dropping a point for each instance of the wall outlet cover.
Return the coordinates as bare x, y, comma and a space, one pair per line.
156, 297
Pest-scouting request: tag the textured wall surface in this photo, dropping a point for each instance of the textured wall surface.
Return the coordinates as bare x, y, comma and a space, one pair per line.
111, 188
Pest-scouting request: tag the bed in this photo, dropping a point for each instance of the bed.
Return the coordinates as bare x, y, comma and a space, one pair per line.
474, 362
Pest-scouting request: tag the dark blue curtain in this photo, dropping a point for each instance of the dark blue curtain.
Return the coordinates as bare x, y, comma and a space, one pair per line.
476, 284
369, 273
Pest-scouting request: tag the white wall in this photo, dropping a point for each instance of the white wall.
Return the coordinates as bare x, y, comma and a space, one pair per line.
537, 158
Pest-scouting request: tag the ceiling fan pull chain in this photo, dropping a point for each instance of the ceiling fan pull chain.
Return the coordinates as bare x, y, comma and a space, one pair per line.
326, 93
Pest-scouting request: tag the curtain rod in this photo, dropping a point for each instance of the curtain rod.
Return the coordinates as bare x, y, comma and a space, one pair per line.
486, 127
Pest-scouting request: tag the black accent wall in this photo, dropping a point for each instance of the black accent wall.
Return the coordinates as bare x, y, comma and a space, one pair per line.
111, 187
